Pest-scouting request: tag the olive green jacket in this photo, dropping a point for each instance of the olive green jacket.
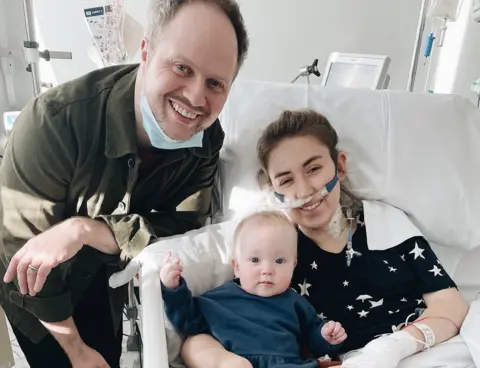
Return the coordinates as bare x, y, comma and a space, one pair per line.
73, 152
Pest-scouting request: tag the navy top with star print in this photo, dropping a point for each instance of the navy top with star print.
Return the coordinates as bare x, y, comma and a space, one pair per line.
377, 293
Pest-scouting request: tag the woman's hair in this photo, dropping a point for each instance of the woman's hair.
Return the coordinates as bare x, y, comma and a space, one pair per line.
299, 123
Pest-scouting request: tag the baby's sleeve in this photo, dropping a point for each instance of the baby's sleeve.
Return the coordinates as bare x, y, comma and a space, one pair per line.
311, 327
183, 311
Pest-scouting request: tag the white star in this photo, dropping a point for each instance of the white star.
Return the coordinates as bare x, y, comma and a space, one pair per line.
322, 316
314, 265
436, 271
304, 287
364, 297
419, 301
361, 223
386, 262
404, 300
417, 252
390, 312
350, 307
363, 314
376, 304
402, 257
345, 283
325, 358
392, 269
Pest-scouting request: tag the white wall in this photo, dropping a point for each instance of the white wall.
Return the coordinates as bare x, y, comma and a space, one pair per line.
72, 22
459, 60
287, 34
12, 34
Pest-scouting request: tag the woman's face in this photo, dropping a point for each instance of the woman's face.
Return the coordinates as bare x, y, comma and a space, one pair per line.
301, 166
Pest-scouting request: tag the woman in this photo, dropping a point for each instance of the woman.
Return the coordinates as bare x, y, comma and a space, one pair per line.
395, 302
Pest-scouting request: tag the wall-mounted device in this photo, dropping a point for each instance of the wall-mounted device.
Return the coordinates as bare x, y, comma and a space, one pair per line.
357, 71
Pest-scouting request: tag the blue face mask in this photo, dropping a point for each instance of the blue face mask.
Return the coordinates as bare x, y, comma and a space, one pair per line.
157, 136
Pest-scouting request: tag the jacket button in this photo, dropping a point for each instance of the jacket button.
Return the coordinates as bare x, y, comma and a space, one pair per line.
122, 206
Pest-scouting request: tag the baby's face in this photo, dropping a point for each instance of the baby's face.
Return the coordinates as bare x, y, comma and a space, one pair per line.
266, 255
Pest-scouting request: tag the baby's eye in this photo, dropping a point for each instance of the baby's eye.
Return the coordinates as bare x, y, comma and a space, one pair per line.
279, 260
255, 259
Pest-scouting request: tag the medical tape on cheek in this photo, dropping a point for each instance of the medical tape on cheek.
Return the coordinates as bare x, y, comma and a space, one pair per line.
284, 203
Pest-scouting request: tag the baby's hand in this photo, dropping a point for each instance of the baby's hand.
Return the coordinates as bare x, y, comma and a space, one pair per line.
333, 332
170, 272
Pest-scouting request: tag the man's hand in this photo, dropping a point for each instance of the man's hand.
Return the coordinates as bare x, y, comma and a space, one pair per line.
34, 261
79, 354
88, 358
170, 272
333, 332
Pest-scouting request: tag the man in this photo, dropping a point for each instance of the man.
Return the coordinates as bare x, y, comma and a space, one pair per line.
101, 166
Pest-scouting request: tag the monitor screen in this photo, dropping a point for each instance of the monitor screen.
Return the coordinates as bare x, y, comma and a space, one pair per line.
353, 75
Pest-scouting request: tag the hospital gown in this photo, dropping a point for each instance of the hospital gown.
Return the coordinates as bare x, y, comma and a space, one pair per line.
268, 331
377, 294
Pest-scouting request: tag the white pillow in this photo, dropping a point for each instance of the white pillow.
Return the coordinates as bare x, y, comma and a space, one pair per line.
205, 255
417, 152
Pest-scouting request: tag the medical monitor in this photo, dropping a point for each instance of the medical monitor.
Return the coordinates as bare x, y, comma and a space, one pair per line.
356, 71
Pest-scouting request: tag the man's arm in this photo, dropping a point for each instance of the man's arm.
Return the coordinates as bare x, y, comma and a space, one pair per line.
35, 174
185, 211
65, 332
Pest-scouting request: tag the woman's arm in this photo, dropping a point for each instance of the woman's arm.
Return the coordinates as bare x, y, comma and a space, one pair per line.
445, 313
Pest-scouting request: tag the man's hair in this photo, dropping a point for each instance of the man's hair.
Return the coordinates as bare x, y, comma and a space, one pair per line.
162, 11
261, 217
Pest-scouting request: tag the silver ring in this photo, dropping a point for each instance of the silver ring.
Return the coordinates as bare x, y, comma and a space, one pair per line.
33, 268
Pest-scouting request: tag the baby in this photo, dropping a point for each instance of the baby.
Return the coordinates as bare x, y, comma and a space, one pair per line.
256, 316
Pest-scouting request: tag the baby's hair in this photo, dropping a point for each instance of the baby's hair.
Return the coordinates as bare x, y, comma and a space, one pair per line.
271, 216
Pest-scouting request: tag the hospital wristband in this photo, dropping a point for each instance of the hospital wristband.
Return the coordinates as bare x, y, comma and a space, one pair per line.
427, 333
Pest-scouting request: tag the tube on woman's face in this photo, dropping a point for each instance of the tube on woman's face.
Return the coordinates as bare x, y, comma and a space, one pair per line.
285, 203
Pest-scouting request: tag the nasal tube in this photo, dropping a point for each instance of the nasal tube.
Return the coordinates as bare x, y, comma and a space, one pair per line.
284, 203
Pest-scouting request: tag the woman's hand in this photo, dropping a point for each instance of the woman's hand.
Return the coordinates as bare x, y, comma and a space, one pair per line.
34, 261
170, 272
384, 352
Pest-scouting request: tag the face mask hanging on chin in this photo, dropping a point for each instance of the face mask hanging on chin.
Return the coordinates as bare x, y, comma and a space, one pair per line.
157, 136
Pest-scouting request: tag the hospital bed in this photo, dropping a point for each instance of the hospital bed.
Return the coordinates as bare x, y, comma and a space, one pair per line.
416, 155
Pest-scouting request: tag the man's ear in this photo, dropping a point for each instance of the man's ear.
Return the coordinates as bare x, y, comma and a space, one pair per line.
342, 165
143, 47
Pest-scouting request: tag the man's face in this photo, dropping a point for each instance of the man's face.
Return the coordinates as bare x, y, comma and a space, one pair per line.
187, 78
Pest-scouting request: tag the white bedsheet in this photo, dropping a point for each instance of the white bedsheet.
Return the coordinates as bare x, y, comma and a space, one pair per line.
417, 152
205, 254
